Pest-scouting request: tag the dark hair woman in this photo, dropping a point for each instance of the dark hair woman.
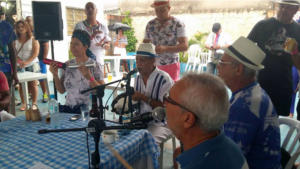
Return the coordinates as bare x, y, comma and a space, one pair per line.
74, 80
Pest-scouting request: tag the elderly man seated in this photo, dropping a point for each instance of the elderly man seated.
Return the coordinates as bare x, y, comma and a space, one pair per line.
4, 98
253, 122
151, 85
196, 109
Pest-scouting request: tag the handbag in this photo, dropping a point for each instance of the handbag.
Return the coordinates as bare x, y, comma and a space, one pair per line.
33, 114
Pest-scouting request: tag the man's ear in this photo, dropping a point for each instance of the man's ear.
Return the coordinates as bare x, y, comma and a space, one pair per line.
239, 69
189, 120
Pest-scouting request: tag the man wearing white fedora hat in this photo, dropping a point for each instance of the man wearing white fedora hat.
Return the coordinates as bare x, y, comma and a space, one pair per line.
151, 85
168, 35
271, 36
252, 122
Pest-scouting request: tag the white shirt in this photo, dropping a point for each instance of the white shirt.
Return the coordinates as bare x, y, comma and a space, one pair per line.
26, 51
74, 82
98, 35
223, 40
158, 85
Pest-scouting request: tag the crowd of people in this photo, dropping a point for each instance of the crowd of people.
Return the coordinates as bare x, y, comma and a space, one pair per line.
215, 131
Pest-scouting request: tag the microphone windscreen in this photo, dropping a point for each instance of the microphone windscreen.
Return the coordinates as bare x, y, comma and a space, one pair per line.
159, 113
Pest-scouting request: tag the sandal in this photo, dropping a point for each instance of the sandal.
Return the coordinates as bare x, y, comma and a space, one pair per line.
34, 107
23, 107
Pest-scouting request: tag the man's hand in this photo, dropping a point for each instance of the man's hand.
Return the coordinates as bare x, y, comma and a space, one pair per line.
160, 49
137, 96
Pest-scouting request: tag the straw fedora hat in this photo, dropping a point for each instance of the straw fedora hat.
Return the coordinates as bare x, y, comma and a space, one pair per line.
288, 2
246, 52
160, 3
146, 49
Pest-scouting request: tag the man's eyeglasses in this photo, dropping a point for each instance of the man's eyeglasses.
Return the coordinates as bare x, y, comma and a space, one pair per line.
168, 99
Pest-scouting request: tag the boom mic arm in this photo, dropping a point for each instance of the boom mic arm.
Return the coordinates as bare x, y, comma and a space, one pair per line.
95, 125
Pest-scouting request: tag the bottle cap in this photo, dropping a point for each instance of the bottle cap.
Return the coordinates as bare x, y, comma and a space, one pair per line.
52, 96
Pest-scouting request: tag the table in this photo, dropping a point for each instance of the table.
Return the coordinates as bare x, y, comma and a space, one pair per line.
25, 77
117, 60
22, 147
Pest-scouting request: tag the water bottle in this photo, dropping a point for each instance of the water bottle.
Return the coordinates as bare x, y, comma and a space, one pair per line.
53, 111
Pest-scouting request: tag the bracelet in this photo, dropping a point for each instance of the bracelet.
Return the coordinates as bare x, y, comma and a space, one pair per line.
92, 79
294, 52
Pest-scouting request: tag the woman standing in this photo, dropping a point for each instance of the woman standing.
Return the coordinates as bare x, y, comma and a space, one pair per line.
74, 80
27, 51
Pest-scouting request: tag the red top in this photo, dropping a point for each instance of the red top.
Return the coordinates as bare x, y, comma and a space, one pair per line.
3, 83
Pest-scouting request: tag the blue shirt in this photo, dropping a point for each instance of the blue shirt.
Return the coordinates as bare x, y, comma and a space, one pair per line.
253, 125
217, 153
7, 36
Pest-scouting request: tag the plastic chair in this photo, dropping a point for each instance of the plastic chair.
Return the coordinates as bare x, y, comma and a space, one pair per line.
290, 142
193, 57
203, 61
161, 157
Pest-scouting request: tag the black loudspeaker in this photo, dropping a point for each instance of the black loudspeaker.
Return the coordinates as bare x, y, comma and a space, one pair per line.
48, 24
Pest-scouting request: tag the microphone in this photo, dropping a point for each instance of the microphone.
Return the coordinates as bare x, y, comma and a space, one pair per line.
129, 74
86, 65
59, 64
64, 65
158, 114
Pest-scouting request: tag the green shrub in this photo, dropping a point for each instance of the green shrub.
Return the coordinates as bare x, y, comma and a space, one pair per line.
199, 38
131, 46
183, 57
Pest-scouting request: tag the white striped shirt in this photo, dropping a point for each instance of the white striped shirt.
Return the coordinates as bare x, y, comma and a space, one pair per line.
158, 85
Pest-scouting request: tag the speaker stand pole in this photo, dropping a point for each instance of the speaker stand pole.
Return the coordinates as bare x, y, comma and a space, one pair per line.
53, 58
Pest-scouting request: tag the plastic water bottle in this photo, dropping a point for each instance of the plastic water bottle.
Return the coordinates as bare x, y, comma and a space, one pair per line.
53, 110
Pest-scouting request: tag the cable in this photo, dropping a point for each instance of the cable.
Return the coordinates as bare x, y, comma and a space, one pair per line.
112, 93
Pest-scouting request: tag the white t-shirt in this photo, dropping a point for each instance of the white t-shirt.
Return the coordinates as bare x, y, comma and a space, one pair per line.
99, 34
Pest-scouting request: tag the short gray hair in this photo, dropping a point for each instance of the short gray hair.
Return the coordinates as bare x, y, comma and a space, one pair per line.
249, 73
207, 97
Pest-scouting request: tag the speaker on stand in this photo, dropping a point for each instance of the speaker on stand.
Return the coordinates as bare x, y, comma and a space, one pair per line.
48, 24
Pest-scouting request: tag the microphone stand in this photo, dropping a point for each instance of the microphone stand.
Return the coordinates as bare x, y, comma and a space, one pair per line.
100, 95
129, 92
95, 128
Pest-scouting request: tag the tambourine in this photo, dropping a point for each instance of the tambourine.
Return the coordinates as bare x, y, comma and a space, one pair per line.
117, 104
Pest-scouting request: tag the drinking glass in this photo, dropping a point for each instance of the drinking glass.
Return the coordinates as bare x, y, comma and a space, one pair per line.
109, 77
85, 110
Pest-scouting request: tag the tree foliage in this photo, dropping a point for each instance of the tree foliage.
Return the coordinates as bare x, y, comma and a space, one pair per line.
131, 46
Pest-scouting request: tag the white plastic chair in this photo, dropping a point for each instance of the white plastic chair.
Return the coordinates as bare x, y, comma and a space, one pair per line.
161, 157
193, 57
291, 143
204, 56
